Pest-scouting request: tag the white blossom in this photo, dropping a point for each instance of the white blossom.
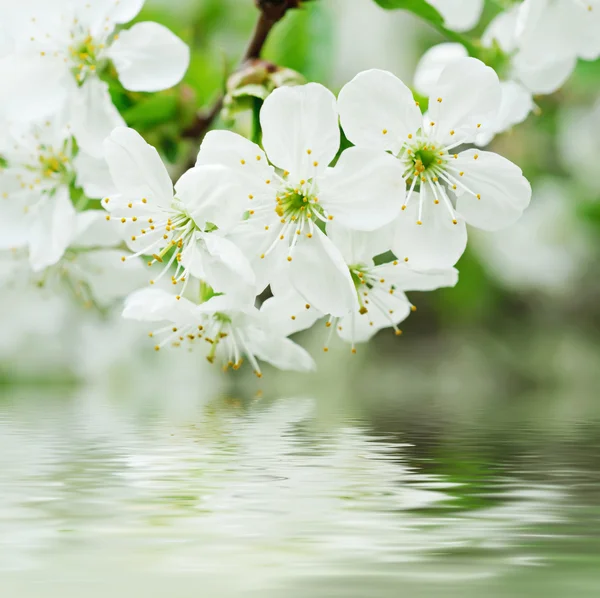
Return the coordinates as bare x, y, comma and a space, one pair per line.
35, 185
459, 15
292, 196
224, 329
454, 187
380, 299
61, 47
183, 227
516, 100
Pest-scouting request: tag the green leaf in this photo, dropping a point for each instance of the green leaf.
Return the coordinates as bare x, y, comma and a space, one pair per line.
418, 7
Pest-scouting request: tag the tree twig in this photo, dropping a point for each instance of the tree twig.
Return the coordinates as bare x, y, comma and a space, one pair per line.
271, 12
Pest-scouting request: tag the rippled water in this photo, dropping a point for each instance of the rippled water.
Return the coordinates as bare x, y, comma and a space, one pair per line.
263, 498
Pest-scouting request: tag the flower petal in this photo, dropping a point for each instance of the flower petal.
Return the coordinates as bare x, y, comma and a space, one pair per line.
433, 62
20, 95
246, 160
378, 111
136, 168
124, 11
318, 272
281, 352
52, 231
286, 313
404, 278
92, 230
93, 176
156, 305
504, 191
516, 105
94, 116
365, 190
360, 247
226, 268
149, 57
543, 76
467, 94
436, 243
459, 15
300, 129
211, 196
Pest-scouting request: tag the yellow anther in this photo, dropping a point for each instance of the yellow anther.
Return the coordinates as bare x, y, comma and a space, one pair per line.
250, 196
439, 100
258, 158
384, 131
419, 222
242, 161
475, 156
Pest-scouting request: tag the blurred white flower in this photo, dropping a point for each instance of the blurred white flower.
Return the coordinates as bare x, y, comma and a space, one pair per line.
62, 46
35, 197
547, 250
479, 188
288, 208
579, 143
184, 227
550, 31
225, 329
516, 101
459, 15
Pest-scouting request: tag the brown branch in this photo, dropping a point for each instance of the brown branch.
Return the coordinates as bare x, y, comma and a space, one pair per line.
271, 12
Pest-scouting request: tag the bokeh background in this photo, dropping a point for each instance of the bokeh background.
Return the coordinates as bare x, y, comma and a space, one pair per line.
123, 461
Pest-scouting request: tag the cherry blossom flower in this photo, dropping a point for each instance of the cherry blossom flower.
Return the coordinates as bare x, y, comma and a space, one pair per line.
447, 187
63, 46
516, 100
37, 210
184, 227
459, 15
222, 328
380, 299
293, 195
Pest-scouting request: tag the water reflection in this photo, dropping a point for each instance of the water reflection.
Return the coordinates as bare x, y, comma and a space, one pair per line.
251, 499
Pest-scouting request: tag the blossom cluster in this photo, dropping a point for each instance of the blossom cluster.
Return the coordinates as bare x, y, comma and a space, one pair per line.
258, 240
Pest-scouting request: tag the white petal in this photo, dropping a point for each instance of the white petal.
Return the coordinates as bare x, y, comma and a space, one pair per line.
281, 352
459, 15
125, 10
467, 94
286, 313
22, 80
149, 57
246, 160
360, 247
136, 168
14, 222
516, 105
359, 328
155, 305
433, 62
94, 116
226, 268
435, 244
503, 31
318, 273
405, 278
365, 190
93, 176
543, 76
211, 196
300, 129
378, 111
504, 191
107, 276
52, 231
93, 230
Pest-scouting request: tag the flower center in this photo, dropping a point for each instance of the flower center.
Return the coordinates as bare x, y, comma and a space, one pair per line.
85, 57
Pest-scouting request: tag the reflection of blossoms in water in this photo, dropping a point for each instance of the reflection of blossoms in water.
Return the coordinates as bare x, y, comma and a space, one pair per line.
287, 503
